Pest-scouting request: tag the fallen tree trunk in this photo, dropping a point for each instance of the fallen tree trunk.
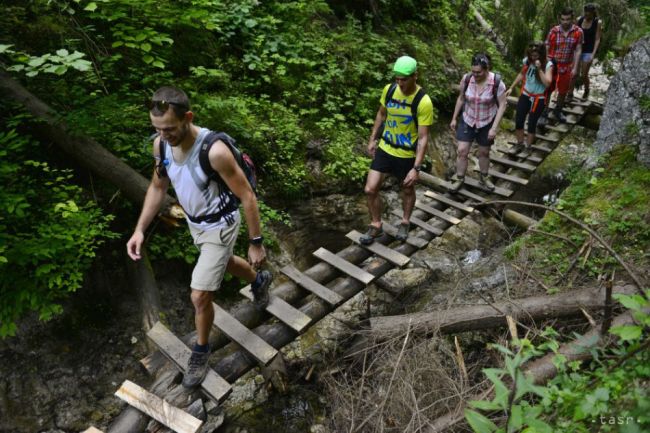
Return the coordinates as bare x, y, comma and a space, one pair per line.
480, 317
491, 34
541, 370
143, 283
85, 151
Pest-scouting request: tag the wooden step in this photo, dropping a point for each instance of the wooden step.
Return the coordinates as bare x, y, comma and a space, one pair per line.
285, 312
570, 120
92, 429
504, 176
158, 409
411, 240
448, 201
325, 293
344, 266
560, 128
536, 147
441, 183
437, 213
252, 343
420, 223
546, 138
511, 163
215, 386
498, 190
395, 257
531, 158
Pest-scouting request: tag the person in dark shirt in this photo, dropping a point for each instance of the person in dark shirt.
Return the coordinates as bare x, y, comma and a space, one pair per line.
592, 28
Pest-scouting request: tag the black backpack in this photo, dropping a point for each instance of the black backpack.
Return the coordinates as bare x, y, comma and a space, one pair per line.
495, 88
414, 108
414, 104
244, 161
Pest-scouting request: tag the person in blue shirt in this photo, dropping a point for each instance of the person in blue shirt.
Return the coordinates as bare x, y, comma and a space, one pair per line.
536, 74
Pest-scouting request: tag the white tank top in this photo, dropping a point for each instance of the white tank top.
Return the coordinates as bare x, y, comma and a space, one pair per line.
197, 195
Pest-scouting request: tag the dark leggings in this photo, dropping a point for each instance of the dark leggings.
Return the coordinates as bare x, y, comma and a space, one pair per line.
524, 107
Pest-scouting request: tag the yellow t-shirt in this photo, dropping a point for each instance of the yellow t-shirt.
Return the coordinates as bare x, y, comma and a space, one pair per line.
400, 127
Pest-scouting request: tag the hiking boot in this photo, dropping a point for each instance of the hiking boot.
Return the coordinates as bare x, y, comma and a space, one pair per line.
559, 115
197, 368
585, 94
369, 236
261, 293
458, 183
403, 232
485, 181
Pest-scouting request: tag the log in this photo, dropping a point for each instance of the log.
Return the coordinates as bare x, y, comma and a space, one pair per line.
491, 34
541, 370
518, 219
143, 282
84, 150
479, 317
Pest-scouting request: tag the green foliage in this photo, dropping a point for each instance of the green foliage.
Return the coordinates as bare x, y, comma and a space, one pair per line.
49, 233
613, 201
609, 394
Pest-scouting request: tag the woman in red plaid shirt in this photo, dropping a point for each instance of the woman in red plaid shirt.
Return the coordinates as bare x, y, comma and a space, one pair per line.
483, 107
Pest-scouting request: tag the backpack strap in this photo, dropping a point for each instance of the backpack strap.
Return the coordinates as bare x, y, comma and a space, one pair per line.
160, 165
495, 88
466, 79
414, 105
390, 93
204, 159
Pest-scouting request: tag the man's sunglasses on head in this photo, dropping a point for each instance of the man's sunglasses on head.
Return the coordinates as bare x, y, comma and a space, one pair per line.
162, 105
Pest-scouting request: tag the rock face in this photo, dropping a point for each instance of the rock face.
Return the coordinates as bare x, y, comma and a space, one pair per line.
626, 118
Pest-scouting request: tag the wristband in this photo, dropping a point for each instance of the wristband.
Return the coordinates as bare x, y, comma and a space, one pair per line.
417, 168
257, 240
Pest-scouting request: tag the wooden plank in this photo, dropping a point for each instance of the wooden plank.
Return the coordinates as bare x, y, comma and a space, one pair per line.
395, 257
415, 241
158, 409
529, 157
511, 163
215, 386
431, 180
448, 201
92, 429
561, 128
498, 190
546, 138
251, 342
285, 312
420, 223
504, 176
325, 293
433, 211
535, 147
344, 266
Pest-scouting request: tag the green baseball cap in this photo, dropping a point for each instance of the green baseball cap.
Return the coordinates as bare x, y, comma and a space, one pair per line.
405, 65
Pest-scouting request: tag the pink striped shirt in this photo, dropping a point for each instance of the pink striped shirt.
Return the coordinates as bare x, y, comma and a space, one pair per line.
480, 107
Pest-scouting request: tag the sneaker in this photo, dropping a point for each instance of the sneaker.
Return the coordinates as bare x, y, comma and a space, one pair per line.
559, 115
486, 182
261, 293
369, 236
197, 368
455, 187
403, 232
527, 151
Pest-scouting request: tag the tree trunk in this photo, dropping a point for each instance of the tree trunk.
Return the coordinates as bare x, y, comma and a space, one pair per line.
85, 151
541, 370
491, 34
144, 284
481, 317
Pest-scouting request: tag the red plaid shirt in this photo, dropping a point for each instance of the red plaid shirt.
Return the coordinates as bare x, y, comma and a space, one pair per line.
480, 107
561, 47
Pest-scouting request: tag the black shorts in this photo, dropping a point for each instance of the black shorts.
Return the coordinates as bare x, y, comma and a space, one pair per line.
464, 132
387, 163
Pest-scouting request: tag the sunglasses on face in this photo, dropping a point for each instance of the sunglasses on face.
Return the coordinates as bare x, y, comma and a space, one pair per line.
163, 106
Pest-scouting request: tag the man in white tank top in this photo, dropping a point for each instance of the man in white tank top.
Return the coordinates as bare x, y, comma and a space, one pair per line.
212, 214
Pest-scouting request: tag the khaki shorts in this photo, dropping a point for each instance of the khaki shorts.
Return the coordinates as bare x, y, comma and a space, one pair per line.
216, 247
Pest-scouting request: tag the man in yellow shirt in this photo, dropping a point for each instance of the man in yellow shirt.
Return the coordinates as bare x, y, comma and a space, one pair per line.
406, 113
